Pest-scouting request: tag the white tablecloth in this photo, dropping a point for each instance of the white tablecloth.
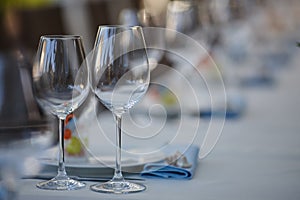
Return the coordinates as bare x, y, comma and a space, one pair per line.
257, 156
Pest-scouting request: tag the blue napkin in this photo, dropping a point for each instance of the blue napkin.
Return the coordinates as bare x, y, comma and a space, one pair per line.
164, 170
236, 106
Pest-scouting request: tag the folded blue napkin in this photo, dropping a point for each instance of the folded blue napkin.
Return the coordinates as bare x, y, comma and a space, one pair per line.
164, 170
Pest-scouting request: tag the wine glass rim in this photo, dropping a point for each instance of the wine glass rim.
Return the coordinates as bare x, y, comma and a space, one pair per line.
120, 26
61, 36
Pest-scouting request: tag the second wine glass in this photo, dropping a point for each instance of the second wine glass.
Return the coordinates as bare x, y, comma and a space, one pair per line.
60, 82
120, 78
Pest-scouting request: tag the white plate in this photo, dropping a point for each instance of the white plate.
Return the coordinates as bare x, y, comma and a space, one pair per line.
130, 163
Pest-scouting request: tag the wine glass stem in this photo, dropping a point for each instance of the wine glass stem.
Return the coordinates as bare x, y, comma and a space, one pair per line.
118, 172
61, 157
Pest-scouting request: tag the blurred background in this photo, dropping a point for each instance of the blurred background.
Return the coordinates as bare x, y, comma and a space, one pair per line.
250, 41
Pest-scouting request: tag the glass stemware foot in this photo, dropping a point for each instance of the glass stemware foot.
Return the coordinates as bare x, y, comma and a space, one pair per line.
118, 187
61, 182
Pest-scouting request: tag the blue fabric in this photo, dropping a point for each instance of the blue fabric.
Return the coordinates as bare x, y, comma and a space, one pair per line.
166, 171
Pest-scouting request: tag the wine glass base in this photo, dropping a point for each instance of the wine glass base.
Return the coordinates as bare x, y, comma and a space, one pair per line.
61, 184
118, 187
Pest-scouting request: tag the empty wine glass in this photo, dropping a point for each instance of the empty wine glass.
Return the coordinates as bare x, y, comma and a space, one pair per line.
120, 78
155, 42
60, 83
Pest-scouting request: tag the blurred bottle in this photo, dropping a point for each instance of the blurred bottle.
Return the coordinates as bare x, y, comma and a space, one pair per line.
75, 142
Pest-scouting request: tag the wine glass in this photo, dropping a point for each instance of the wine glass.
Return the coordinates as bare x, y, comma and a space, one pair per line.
120, 78
155, 42
60, 83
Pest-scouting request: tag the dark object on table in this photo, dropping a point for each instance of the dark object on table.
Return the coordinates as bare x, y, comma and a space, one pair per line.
19, 113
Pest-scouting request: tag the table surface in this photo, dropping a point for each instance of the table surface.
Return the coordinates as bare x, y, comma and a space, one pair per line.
256, 157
